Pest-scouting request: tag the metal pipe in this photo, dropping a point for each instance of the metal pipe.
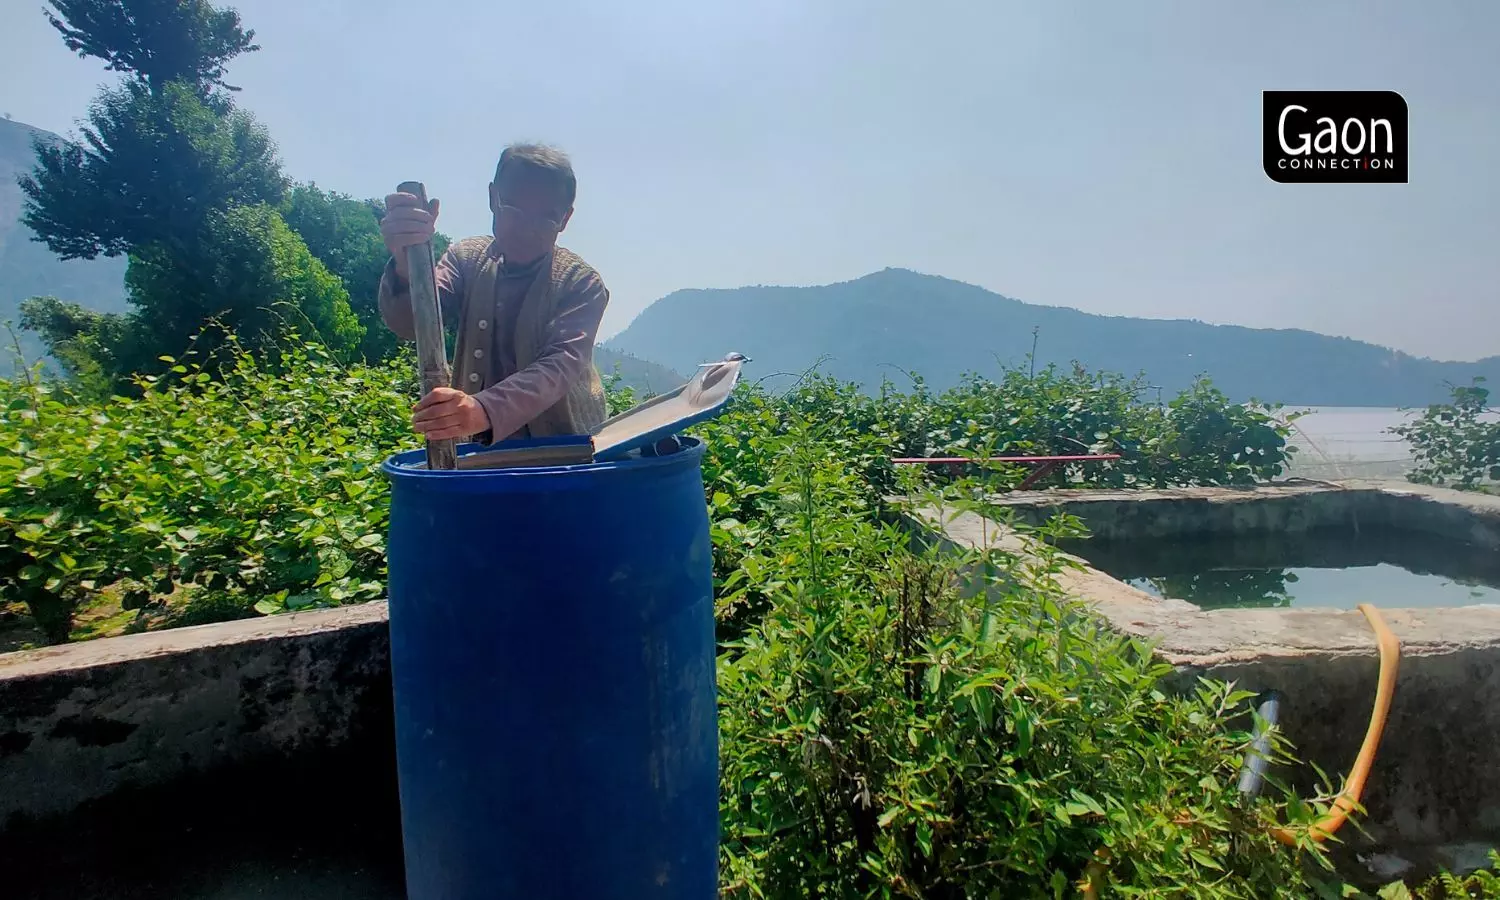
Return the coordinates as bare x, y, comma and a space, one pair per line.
1253, 773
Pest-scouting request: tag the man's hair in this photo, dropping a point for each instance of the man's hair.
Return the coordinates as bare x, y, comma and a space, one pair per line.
548, 163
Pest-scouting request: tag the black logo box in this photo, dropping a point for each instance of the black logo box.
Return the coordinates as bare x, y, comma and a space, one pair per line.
1335, 137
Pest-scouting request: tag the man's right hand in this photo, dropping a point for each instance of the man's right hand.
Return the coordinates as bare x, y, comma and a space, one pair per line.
406, 223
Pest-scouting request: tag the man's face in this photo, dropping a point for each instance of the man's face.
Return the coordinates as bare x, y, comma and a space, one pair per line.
529, 214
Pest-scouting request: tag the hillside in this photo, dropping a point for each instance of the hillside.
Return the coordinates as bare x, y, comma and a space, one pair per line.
896, 320
646, 377
29, 269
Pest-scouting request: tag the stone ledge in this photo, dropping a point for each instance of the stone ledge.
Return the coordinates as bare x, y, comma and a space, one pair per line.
82, 721
1292, 506
1185, 635
136, 647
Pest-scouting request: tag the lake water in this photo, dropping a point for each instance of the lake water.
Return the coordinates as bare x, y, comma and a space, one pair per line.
1349, 442
1352, 433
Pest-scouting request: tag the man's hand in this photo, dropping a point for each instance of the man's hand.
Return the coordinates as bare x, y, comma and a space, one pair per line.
447, 414
406, 224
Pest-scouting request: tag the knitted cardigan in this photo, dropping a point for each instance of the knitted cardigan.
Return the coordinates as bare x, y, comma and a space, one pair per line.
582, 409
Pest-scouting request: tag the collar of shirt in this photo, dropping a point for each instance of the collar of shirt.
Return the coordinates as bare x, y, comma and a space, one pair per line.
516, 271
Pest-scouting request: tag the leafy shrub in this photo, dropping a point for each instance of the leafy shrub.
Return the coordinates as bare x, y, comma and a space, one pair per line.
1198, 437
886, 736
261, 483
1452, 444
258, 480
1481, 885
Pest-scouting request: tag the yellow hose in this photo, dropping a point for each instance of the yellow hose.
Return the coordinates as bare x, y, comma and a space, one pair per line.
1348, 799
1390, 657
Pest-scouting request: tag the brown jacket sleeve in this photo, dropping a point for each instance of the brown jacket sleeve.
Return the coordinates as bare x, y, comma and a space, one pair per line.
395, 296
568, 354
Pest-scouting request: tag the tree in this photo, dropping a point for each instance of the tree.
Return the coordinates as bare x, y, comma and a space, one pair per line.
1456, 444
96, 349
251, 273
170, 172
344, 234
160, 42
150, 169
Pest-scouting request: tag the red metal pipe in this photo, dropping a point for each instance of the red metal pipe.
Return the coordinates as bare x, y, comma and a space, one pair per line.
955, 460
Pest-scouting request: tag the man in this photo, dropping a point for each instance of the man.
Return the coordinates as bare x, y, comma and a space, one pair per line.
526, 311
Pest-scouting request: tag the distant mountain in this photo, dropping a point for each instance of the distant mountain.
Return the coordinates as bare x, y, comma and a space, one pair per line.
645, 377
29, 269
894, 321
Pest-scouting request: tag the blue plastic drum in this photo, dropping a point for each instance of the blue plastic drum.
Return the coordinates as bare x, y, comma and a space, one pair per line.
552, 651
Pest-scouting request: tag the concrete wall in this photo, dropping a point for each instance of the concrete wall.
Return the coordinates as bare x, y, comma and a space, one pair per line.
82, 721
1437, 775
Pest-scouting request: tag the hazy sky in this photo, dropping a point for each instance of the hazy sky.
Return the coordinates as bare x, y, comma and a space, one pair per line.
1100, 155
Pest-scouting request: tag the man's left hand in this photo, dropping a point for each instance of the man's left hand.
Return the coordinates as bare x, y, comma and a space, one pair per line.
449, 414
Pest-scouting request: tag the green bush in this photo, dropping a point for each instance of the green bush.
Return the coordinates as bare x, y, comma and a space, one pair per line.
885, 736
1481, 885
260, 483
254, 274
1198, 437
1452, 444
